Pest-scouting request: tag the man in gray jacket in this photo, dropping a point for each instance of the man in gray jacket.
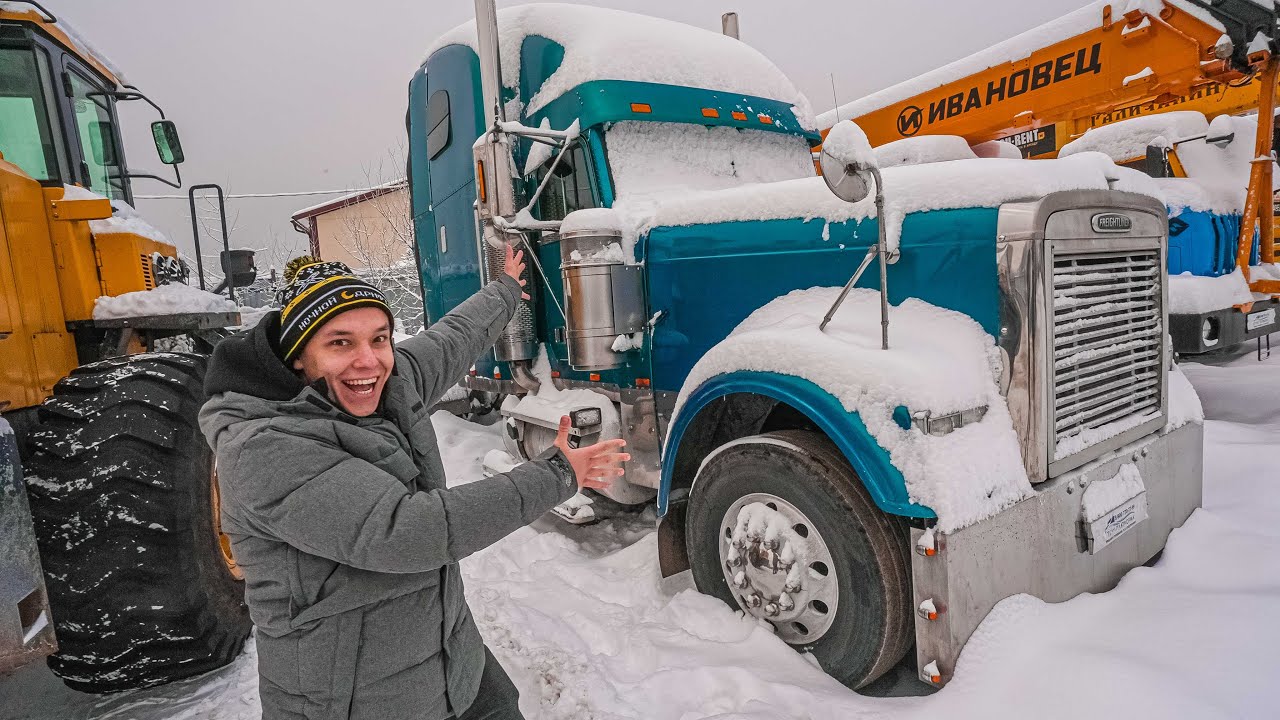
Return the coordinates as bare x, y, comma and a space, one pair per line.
333, 494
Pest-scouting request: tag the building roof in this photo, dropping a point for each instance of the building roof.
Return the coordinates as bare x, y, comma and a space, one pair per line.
351, 198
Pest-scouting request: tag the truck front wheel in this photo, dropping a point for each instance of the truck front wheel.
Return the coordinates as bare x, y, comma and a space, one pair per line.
121, 486
780, 526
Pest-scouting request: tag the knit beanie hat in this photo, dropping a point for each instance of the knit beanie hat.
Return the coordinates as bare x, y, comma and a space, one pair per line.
314, 293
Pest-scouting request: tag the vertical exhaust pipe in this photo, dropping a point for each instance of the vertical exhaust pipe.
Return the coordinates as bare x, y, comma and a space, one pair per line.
729, 25
490, 61
496, 197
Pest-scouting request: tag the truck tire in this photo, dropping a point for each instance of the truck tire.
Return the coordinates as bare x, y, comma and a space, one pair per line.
850, 596
120, 482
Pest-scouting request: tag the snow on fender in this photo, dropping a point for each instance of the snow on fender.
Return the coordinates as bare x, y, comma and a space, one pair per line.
941, 362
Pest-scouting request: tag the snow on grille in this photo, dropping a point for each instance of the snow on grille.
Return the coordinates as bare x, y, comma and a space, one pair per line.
1107, 340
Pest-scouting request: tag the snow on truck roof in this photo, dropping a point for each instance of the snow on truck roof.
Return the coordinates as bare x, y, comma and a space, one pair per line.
604, 44
1015, 48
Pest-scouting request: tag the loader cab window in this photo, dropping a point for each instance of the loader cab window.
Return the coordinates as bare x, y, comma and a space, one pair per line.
569, 188
27, 114
100, 160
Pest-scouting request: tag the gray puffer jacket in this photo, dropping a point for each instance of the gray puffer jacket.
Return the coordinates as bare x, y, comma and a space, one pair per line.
348, 538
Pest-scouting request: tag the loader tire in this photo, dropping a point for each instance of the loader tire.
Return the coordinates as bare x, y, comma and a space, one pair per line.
853, 609
120, 481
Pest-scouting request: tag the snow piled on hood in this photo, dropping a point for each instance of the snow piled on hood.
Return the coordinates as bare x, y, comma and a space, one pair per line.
605, 44
938, 360
926, 149
163, 300
127, 220
1192, 294
1217, 177
979, 182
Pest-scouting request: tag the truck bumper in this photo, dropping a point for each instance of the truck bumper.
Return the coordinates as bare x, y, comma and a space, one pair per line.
1228, 327
1041, 546
26, 625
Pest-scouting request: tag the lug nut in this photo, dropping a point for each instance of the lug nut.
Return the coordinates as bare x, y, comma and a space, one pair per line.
771, 608
740, 580
755, 601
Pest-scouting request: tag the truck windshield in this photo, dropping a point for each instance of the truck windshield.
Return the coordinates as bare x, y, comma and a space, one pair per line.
569, 190
26, 133
649, 158
99, 152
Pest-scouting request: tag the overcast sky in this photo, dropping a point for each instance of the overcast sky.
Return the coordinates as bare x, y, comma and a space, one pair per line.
292, 95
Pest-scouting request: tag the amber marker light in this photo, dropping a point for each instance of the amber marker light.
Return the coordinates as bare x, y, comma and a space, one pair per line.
480, 187
594, 377
739, 115
710, 112
641, 108
642, 382
765, 119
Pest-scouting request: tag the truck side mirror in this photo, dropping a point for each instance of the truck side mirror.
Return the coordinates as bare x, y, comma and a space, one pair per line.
848, 162
168, 145
1157, 164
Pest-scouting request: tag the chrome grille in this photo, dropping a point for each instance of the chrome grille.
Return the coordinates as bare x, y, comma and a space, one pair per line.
1107, 340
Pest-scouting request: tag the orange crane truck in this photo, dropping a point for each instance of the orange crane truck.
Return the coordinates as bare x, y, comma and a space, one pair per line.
1107, 63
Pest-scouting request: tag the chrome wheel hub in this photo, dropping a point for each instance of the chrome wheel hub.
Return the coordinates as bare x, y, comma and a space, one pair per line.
778, 567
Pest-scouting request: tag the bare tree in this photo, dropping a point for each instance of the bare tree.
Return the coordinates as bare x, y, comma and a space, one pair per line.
377, 232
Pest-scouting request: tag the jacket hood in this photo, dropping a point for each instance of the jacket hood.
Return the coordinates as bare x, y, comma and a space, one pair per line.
249, 363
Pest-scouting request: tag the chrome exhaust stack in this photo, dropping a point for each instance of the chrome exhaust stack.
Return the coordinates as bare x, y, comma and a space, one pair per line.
496, 197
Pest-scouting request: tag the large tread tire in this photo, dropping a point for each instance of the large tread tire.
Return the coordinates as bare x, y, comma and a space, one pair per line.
119, 479
874, 625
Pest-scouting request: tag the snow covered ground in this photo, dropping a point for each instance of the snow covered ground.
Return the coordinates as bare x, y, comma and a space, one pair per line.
578, 617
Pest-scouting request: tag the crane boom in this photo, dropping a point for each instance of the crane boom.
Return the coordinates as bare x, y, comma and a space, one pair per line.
1102, 63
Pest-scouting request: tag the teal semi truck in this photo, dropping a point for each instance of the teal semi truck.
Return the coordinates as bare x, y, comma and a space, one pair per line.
1023, 432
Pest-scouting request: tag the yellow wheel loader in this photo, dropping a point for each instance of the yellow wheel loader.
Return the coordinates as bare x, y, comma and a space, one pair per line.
111, 559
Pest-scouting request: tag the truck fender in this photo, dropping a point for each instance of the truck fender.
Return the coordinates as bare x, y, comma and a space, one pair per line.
738, 404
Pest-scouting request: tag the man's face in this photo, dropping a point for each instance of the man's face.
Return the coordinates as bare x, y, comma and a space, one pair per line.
352, 352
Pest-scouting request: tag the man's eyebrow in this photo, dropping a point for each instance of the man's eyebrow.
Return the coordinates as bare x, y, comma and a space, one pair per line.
334, 332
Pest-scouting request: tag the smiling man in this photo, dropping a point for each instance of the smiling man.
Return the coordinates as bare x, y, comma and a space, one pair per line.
333, 495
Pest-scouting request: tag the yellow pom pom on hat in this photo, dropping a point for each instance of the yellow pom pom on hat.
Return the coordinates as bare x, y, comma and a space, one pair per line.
314, 293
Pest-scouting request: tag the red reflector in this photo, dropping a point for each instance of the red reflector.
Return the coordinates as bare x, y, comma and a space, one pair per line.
642, 382
497, 374
595, 377
555, 373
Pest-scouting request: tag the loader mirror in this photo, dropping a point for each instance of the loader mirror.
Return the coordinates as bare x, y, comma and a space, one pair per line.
847, 162
168, 145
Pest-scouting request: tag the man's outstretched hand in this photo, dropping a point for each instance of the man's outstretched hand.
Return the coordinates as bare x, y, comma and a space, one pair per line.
513, 265
594, 466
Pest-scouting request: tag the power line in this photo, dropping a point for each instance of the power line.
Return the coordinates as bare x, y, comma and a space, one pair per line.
261, 195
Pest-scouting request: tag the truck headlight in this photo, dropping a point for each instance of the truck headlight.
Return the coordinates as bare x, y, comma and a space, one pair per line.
585, 417
931, 424
1209, 331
